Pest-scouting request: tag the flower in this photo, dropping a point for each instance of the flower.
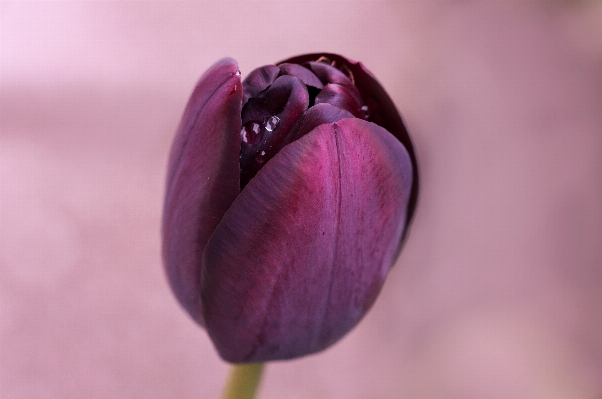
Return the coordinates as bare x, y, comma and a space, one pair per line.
288, 197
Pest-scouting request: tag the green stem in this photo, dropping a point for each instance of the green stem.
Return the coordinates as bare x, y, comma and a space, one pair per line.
243, 382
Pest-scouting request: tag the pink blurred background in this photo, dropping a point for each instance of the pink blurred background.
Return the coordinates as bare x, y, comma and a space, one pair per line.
498, 292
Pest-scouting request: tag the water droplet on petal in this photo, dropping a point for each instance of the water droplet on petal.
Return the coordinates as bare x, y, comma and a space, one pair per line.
250, 133
232, 89
365, 110
262, 153
237, 73
271, 122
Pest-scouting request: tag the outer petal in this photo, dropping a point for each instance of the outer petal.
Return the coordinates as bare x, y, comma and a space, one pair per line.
303, 251
203, 178
375, 96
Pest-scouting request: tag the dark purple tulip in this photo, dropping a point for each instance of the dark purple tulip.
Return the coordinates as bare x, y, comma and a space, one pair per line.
288, 197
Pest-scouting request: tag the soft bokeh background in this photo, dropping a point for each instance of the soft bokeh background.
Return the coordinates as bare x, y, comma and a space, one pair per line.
498, 292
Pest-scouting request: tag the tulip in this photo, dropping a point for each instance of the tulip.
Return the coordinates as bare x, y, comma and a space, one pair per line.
288, 197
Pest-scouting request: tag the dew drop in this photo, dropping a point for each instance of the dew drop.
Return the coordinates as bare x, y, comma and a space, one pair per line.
232, 89
250, 133
271, 122
262, 153
237, 73
365, 110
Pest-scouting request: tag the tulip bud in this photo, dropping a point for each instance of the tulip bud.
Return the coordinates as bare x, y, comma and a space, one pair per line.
288, 197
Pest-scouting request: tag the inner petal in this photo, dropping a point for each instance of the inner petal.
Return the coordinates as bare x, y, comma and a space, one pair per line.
266, 123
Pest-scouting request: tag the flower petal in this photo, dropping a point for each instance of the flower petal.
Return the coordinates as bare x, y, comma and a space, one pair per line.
328, 74
318, 115
203, 178
341, 97
258, 80
303, 251
286, 99
304, 74
381, 108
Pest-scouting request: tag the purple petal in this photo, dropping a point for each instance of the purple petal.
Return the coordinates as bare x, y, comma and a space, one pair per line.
287, 94
203, 178
304, 74
381, 108
329, 74
303, 251
258, 80
339, 96
318, 115
286, 99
